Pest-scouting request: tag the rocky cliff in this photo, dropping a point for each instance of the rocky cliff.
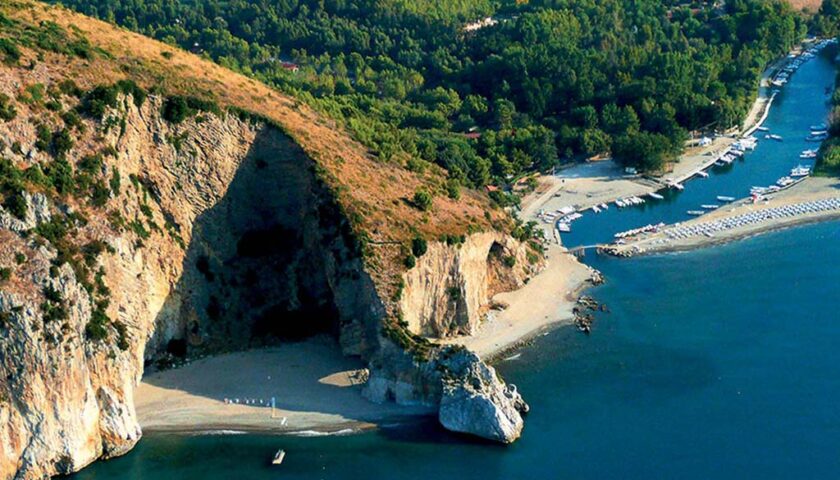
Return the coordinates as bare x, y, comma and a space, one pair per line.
141, 225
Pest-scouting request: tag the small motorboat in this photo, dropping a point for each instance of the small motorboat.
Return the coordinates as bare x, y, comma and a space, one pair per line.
723, 198
278, 457
696, 213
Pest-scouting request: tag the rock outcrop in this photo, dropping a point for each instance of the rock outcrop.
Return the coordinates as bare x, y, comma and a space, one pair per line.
477, 402
450, 287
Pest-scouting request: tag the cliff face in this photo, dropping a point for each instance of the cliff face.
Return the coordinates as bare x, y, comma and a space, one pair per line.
449, 289
240, 242
128, 239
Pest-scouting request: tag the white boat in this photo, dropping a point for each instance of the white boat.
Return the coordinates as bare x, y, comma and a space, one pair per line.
800, 171
564, 228
278, 457
819, 132
784, 181
696, 213
604, 206
703, 174
818, 127
656, 196
773, 136
762, 129
678, 186
596, 209
816, 138
709, 206
723, 198
808, 154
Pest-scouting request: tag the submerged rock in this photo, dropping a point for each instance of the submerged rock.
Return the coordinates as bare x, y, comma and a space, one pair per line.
476, 401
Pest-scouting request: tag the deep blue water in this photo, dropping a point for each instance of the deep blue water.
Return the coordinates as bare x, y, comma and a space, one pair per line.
718, 363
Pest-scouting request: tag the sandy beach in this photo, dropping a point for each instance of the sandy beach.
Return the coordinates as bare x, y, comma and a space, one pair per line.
316, 389
809, 190
557, 288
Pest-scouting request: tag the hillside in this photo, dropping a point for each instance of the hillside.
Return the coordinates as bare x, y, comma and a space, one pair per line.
155, 206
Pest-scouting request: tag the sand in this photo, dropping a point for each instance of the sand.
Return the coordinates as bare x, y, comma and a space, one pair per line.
557, 288
315, 387
808, 190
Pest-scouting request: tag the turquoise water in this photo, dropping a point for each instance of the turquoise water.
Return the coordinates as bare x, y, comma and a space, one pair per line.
720, 363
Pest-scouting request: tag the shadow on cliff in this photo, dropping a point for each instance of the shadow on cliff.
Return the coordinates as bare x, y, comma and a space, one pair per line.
262, 269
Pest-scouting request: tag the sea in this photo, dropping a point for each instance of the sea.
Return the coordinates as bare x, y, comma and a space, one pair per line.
711, 364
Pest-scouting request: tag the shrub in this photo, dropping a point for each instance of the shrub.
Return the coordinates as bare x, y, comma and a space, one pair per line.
33, 94
20, 258
97, 101
10, 51
7, 110
177, 108
62, 141
5, 274
409, 261
60, 174
15, 203
509, 261
418, 246
422, 200
453, 189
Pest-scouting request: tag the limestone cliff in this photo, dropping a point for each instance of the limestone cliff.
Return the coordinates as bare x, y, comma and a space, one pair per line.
140, 225
450, 287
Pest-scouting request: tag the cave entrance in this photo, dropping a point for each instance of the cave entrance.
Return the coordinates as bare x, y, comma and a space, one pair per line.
262, 262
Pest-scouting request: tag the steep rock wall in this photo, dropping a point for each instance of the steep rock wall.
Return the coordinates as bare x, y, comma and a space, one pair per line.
450, 287
68, 400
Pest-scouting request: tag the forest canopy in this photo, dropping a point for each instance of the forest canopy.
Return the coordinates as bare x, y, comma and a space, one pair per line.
543, 83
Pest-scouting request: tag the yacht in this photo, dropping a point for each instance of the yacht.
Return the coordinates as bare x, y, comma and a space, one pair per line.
784, 181
816, 138
656, 196
773, 136
723, 198
696, 213
800, 171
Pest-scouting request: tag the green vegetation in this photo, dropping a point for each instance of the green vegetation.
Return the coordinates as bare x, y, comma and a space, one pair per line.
176, 109
555, 80
828, 158
7, 110
422, 200
827, 20
419, 246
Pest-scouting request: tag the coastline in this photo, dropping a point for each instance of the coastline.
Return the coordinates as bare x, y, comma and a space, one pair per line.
558, 287
191, 399
314, 386
809, 190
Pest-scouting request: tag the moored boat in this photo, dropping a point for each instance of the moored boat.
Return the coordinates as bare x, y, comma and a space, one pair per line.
724, 198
